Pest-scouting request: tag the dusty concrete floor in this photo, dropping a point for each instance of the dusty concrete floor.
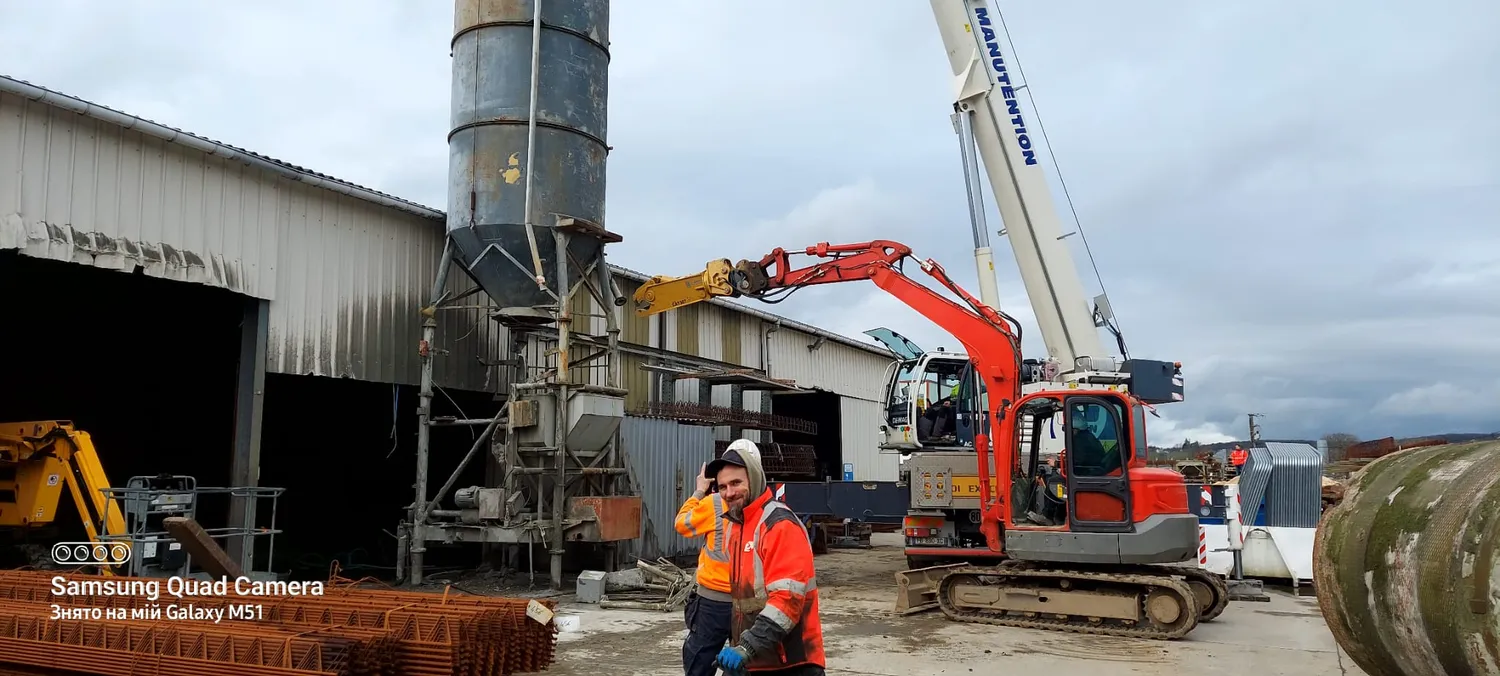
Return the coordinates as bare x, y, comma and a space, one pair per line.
1285, 637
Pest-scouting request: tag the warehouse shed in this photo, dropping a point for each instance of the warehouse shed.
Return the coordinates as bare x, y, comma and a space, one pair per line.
204, 310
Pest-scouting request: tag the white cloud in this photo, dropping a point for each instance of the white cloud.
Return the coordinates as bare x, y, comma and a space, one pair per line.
1443, 399
1165, 432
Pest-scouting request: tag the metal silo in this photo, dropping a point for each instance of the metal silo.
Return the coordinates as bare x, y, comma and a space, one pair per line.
526, 185
509, 181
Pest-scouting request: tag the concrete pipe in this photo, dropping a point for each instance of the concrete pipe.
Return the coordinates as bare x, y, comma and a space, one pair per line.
1407, 574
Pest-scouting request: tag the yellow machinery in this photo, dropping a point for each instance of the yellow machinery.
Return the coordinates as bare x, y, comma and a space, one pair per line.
36, 460
665, 293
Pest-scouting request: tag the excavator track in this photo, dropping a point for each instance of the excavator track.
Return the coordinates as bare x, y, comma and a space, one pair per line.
1212, 591
1160, 606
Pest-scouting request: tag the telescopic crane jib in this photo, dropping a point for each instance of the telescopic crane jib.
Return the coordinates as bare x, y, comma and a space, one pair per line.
991, 124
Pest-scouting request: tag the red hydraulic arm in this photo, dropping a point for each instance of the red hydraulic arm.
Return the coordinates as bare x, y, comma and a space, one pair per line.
990, 338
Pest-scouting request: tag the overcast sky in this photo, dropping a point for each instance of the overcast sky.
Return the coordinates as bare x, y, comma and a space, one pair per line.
1299, 201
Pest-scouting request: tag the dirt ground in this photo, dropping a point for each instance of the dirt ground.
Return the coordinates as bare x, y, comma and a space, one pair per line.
1285, 637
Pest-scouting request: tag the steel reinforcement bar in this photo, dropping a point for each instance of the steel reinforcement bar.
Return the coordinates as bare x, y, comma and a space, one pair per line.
360, 630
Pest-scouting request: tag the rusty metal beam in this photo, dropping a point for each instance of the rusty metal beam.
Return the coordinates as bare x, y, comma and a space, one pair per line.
207, 553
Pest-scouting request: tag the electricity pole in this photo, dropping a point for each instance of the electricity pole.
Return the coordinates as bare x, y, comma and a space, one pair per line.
1254, 428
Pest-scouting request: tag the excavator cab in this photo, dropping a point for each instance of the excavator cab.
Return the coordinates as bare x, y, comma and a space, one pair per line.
1117, 509
924, 396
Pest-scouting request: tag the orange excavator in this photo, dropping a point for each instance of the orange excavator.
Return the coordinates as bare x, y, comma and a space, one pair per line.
1104, 558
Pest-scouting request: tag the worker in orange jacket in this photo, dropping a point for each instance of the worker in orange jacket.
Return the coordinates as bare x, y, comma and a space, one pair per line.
707, 614
775, 628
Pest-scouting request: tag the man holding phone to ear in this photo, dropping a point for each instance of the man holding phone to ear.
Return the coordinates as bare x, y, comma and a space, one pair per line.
709, 608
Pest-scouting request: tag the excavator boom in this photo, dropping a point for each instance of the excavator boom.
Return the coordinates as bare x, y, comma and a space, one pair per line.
990, 338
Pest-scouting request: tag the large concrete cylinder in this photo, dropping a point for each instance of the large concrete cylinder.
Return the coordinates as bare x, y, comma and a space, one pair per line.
487, 146
1406, 567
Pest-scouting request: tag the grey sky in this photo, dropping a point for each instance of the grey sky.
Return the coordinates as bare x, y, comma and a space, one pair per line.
1299, 201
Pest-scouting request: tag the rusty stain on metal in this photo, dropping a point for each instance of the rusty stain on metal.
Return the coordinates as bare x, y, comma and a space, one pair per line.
1405, 566
348, 630
618, 516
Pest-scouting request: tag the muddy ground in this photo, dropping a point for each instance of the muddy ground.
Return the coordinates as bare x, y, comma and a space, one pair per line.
1284, 637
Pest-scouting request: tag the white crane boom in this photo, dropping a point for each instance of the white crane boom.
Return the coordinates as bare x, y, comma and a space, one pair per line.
985, 100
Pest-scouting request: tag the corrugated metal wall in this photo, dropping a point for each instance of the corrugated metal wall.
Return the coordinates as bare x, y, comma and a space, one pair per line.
830, 366
1288, 479
89, 192
663, 457
1254, 477
352, 277
1294, 497
345, 277
859, 431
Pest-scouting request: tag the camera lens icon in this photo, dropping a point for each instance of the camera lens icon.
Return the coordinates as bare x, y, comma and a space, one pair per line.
90, 554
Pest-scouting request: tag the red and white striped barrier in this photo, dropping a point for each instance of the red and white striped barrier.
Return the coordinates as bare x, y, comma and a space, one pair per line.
1202, 546
1233, 517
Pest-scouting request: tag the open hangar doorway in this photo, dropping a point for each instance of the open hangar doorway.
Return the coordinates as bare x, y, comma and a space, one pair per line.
345, 451
821, 408
148, 367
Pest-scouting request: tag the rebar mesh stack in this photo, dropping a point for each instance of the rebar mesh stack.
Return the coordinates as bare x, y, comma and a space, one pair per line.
781, 460
705, 414
347, 631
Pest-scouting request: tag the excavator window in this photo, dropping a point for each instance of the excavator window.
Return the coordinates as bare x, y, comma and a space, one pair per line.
1138, 430
973, 406
1099, 488
1039, 489
939, 388
1094, 440
897, 411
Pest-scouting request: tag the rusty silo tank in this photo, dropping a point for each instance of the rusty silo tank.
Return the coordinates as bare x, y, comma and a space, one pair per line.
1406, 567
505, 173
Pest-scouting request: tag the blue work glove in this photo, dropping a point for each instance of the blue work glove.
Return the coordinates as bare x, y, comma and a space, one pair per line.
732, 660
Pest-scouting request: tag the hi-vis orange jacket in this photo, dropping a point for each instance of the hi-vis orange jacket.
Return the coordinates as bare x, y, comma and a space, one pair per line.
775, 589
704, 516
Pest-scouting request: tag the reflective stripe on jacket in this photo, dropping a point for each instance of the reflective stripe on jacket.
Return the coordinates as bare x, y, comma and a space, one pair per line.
773, 578
700, 517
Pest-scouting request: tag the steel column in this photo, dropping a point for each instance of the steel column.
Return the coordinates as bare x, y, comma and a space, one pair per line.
255, 329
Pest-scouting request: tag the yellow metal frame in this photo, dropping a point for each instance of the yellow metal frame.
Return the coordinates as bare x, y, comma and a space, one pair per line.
660, 294
45, 455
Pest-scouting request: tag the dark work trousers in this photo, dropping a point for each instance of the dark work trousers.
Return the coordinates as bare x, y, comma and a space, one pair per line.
708, 631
